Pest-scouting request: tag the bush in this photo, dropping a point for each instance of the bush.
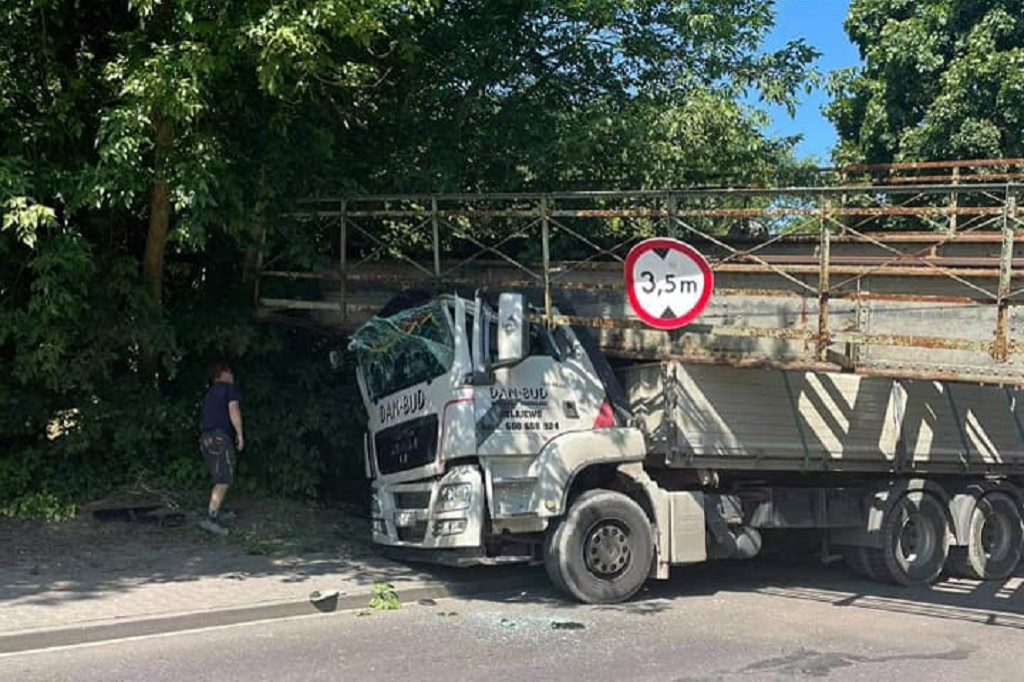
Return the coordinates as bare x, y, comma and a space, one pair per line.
303, 433
40, 507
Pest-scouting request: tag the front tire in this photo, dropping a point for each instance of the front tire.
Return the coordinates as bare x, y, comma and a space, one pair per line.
602, 550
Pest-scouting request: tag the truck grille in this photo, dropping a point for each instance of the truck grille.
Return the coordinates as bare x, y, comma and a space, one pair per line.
408, 445
414, 500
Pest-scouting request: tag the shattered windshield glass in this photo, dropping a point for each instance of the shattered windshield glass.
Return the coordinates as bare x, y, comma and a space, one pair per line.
404, 349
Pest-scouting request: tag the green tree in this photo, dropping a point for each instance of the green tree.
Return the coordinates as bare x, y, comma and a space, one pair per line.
147, 147
942, 79
137, 143
522, 94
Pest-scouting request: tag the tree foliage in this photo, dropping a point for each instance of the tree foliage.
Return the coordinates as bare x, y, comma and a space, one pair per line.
522, 94
942, 79
147, 148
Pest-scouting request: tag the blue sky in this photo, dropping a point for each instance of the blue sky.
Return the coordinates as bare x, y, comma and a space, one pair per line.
820, 23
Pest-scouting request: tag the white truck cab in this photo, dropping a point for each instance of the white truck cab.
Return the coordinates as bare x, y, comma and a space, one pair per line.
478, 423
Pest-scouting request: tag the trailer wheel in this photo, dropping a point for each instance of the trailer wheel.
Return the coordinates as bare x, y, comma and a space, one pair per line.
915, 542
995, 540
601, 552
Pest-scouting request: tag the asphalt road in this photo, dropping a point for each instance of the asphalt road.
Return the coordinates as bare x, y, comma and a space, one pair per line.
758, 621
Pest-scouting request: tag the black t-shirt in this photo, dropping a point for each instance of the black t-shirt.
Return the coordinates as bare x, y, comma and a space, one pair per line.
215, 415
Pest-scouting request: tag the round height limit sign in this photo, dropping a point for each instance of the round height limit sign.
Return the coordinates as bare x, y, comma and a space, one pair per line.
668, 282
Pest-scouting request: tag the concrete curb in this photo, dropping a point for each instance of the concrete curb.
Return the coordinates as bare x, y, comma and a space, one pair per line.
92, 633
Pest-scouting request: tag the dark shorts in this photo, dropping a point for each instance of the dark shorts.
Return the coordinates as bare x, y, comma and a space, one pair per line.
219, 453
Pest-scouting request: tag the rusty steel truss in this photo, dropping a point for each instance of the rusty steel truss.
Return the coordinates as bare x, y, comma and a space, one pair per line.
906, 271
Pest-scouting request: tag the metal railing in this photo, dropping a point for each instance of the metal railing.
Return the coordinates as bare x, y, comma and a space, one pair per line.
845, 259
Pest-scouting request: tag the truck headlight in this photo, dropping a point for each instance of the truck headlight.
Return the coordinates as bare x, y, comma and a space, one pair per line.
454, 497
375, 510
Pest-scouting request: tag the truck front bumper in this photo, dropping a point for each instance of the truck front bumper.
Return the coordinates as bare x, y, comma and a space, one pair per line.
454, 556
438, 514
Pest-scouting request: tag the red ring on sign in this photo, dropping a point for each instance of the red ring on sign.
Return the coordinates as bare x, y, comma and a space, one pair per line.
691, 253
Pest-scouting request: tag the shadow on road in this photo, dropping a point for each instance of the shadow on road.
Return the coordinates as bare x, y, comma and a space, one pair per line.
997, 603
64, 572
94, 568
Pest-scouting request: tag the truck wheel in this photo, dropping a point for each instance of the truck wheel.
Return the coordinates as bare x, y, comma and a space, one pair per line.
602, 550
995, 540
551, 566
915, 542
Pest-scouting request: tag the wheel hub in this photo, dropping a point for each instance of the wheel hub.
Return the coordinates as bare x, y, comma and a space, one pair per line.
993, 537
606, 551
917, 539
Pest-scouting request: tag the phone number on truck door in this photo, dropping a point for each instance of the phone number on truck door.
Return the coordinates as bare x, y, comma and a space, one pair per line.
531, 426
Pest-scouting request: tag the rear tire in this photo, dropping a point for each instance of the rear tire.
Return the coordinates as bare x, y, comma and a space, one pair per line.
602, 550
915, 542
995, 540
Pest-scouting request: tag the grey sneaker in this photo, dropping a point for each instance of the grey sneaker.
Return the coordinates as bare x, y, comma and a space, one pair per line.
224, 515
212, 526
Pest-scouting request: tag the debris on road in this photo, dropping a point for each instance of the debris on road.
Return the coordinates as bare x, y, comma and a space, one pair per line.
383, 597
567, 625
325, 601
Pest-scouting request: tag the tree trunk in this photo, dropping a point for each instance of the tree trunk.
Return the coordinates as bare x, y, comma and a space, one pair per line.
159, 226
253, 258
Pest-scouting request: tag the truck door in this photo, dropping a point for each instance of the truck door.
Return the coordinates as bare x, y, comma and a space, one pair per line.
522, 407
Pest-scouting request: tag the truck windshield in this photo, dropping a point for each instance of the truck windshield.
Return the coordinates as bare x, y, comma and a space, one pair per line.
404, 349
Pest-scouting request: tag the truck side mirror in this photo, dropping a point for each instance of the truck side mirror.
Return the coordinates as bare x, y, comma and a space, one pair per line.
513, 329
479, 357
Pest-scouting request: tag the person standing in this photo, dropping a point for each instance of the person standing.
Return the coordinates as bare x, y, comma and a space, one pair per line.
220, 433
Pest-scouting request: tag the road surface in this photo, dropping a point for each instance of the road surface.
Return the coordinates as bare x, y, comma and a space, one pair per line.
756, 621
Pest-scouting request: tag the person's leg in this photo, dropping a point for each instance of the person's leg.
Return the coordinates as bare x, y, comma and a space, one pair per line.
217, 495
219, 455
